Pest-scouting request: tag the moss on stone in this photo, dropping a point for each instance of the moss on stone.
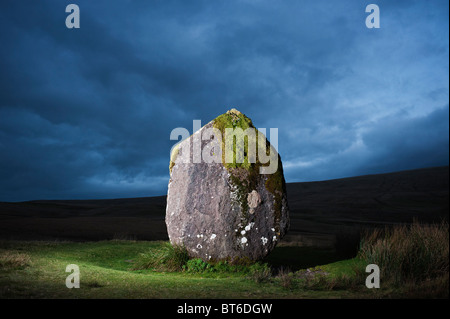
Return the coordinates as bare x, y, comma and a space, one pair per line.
173, 157
245, 176
276, 185
234, 119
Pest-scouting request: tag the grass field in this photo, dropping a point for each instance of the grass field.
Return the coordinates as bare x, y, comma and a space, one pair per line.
37, 270
107, 239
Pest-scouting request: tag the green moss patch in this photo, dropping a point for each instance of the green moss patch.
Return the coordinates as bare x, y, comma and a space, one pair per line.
173, 157
245, 175
276, 185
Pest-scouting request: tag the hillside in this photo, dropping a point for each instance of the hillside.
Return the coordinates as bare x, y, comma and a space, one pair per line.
319, 210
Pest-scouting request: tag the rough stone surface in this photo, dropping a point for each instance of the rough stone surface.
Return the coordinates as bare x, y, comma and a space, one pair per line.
224, 213
254, 200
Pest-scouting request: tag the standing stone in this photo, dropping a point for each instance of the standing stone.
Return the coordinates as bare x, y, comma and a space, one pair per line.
225, 211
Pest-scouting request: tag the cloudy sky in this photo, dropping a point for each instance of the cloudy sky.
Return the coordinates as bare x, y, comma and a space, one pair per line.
87, 113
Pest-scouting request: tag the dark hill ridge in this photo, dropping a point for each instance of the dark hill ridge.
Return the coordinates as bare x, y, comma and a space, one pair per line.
318, 210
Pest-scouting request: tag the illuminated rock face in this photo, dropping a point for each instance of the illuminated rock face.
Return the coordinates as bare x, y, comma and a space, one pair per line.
225, 212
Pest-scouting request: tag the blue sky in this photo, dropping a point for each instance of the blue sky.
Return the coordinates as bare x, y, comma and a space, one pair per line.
87, 113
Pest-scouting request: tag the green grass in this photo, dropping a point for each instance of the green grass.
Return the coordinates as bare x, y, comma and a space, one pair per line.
164, 258
37, 270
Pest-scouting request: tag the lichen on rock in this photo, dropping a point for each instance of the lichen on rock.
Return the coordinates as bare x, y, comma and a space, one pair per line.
247, 180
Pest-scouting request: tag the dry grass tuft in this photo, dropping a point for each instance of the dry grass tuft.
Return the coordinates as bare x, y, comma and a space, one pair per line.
413, 253
14, 260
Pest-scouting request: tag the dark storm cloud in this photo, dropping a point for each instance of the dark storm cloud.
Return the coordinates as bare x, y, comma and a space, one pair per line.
87, 113
416, 142
394, 143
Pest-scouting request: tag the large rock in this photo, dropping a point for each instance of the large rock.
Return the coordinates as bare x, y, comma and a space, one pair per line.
225, 211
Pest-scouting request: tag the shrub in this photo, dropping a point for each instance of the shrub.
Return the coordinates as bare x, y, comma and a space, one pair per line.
224, 267
411, 253
166, 258
286, 278
259, 273
175, 258
197, 265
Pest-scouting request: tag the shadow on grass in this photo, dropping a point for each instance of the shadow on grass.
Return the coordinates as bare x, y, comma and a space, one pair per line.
297, 257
